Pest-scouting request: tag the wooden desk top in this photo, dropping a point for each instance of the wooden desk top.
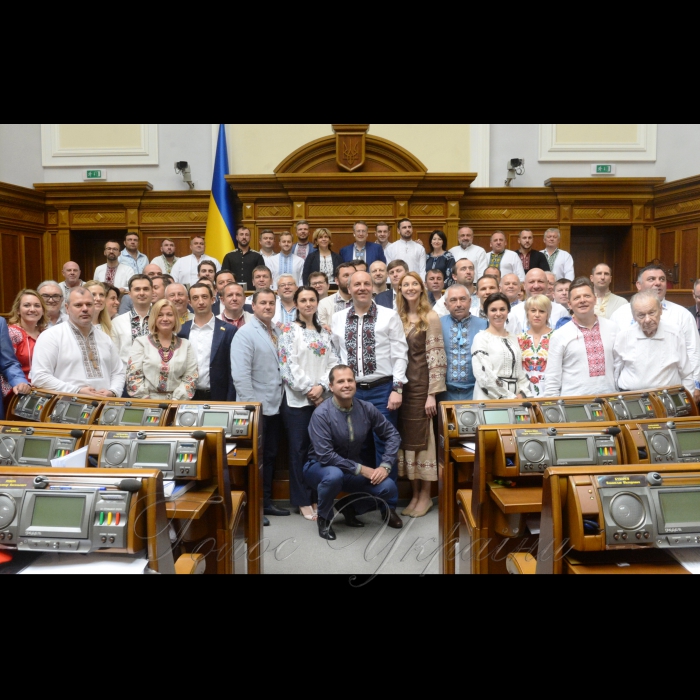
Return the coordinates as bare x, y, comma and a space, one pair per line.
461, 454
630, 561
191, 505
242, 458
525, 499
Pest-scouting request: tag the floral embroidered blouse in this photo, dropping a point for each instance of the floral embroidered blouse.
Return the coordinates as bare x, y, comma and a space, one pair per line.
535, 360
148, 377
306, 357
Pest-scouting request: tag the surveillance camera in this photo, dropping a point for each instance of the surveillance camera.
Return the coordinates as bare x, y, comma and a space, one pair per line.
514, 163
181, 165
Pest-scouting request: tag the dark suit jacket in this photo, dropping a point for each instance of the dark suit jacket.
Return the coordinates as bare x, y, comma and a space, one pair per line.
313, 262
694, 310
373, 253
385, 299
220, 379
537, 260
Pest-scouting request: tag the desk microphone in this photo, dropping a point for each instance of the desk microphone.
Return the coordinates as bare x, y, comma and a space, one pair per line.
131, 485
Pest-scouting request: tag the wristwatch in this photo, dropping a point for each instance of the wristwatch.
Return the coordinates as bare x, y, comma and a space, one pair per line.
397, 387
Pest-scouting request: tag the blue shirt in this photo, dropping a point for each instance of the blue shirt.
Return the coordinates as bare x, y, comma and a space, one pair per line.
136, 265
458, 336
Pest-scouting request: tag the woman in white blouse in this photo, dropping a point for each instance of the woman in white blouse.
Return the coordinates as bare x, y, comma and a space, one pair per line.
306, 358
497, 362
162, 366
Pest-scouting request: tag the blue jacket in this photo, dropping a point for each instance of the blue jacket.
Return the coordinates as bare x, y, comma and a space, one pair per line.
220, 380
373, 252
385, 299
9, 364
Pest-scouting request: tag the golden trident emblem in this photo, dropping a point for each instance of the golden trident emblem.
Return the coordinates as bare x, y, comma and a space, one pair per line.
351, 153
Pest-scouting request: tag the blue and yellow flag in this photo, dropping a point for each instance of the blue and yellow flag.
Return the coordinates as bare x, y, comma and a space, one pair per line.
221, 224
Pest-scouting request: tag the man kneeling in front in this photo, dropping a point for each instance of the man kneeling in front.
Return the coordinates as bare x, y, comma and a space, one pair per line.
338, 430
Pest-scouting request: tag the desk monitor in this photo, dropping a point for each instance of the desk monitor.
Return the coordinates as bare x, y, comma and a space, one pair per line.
235, 420
564, 411
128, 414
34, 446
630, 407
670, 442
470, 416
74, 411
31, 406
676, 402
539, 448
176, 457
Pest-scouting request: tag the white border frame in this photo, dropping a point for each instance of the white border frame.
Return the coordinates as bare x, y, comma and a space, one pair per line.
53, 156
643, 150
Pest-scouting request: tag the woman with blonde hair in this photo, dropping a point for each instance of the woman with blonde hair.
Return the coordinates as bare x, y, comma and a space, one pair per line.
161, 365
534, 342
323, 259
427, 366
100, 313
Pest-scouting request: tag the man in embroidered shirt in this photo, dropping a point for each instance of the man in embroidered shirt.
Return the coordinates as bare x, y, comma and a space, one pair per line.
302, 248
467, 249
285, 262
232, 310
243, 261
338, 429
652, 352
131, 256
412, 252
133, 324
167, 257
184, 271
381, 233
462, 273
76, 357
71, 275
370, 339
458, 329
580, 360
560, 262
606, 303
177, 293
286, 311
535, 283
528, 257
505, 260
653, 278
339, 301
113, 271
53, 297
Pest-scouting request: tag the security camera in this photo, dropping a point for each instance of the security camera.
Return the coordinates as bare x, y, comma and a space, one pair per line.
183, 167
516, 166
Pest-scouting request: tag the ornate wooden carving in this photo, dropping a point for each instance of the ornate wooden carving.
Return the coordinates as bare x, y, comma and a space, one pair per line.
350, 145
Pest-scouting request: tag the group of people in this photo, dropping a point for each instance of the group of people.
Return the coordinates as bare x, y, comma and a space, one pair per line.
354, 379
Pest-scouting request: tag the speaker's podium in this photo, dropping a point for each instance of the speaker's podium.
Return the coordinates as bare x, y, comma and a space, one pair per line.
47, 517
620, 520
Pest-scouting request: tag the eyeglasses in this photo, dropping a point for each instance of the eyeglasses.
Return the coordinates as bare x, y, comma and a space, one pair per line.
52, 297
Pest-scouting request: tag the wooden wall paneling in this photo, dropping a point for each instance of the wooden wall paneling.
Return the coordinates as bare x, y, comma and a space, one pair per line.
11, 271
622, 280
688, 257
33, 256
668, 250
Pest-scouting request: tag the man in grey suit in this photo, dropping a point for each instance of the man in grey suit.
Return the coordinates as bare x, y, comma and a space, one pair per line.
255, 369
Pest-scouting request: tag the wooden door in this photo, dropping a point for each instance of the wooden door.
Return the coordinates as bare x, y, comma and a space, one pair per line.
591, 245
87, 249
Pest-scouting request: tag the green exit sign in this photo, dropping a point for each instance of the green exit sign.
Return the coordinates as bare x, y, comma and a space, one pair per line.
94, 175
602, 169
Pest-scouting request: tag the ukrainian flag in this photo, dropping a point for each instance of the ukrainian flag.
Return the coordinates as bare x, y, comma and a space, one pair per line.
221, 224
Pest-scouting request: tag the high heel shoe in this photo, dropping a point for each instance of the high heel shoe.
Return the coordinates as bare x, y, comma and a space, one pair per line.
313, 515
421, 513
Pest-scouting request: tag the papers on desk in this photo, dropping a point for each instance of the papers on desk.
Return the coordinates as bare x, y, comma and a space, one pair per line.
73, 459
469, 446
231, 447
688, 557
60, 563
173, 490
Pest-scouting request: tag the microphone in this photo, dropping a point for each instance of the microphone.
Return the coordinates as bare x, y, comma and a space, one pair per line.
77, 434
599, 400
164, 406
95, 404
613, 431
527, 404
199, 435
131, 485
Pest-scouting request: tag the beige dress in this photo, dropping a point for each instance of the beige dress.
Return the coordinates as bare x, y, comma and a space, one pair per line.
427, 366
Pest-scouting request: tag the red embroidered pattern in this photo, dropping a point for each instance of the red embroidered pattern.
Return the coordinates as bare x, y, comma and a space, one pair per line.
594, 349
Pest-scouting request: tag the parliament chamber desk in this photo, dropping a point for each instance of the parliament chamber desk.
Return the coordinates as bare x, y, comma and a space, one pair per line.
67, 519
626, 519
459, 423
207, 518
242, 424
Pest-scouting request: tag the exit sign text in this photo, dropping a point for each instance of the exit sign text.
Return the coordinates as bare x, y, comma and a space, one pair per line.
602, 169
94, 174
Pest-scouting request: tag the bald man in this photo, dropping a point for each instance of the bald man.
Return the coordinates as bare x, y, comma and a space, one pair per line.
71, 274
535, 283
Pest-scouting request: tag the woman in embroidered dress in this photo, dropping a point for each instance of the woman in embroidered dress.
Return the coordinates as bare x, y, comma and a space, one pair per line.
439, 258
427, 366
100, 312
162, 366
497, 362
306, 358
534, 342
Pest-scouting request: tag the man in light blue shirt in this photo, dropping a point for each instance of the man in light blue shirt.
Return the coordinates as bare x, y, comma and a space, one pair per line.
131, 256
